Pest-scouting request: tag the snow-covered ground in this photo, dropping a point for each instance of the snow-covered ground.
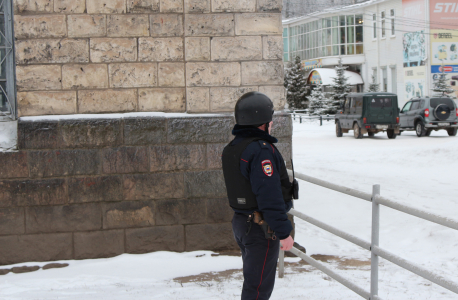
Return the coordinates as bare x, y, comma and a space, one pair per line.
420, 172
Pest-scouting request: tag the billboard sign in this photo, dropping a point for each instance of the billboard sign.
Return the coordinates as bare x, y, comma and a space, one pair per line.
443, 14
415, 82
451, 80
444, 56
311, 64
444, 41
414, 49
415, 10
446, 68
444, 47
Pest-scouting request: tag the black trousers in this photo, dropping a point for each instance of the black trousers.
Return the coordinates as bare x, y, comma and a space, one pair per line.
259, 257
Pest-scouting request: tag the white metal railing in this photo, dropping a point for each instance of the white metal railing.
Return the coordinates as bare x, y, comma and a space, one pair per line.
373, 246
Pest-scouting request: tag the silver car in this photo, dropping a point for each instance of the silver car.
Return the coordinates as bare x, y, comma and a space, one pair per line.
427, 114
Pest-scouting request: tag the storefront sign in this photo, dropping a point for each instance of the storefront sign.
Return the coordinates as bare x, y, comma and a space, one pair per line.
314, 78
311, 64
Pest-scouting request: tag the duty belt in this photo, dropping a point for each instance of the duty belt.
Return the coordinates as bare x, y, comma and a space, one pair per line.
257, 218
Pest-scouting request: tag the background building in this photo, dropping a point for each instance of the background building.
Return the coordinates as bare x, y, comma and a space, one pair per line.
298, 8
402, 43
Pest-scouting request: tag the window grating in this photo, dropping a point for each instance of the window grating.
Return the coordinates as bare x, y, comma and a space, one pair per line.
7, 68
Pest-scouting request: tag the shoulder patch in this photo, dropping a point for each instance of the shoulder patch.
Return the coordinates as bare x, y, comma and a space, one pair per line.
263, 144
267, 167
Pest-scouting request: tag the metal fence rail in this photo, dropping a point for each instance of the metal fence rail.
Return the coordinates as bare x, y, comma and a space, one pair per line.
373, 246
346, 236
301, 115
355, 288
333, 186
447, 222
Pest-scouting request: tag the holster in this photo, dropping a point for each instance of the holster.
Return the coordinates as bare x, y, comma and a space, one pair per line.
295, 189
268, 232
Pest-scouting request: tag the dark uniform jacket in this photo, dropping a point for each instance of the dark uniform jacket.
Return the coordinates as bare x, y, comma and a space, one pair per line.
264, 179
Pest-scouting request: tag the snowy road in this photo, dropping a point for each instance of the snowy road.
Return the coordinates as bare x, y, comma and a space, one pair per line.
420, 172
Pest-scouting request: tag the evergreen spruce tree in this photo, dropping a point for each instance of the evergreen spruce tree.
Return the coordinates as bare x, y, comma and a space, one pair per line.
288, 68
441, 86
373, 87
295, 84
319, 104
340, 87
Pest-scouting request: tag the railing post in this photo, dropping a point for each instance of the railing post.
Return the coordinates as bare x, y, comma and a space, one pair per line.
321, 120
300, 119
281, 264
294, 116
375, 240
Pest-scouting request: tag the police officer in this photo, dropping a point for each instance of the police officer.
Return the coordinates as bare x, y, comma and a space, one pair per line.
257, 182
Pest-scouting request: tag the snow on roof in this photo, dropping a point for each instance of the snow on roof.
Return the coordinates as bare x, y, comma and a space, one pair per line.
328, 74
335, 9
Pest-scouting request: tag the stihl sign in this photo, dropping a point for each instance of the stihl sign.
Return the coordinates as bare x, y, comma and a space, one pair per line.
446, 7
443, 15
413, 11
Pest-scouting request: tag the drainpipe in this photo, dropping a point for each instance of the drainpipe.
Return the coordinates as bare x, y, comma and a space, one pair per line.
379, 21
428, 52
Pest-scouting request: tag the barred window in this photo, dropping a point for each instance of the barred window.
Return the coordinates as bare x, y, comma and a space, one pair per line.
7, 66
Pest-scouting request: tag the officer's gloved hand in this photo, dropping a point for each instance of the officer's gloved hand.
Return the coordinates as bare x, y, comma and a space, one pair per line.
287, 244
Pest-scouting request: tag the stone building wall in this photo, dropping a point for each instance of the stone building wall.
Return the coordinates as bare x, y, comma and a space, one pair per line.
146, 177
99, 187
103, 56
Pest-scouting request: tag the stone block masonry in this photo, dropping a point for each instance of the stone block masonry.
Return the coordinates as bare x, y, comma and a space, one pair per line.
148, 178
110, 56
99, 187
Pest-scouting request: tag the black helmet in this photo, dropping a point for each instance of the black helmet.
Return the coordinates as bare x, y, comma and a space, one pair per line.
253, 108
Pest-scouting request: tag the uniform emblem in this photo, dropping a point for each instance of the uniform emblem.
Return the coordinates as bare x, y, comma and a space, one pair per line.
267, 167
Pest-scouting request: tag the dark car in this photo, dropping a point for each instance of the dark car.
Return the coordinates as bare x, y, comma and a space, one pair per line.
427, 114
369, 113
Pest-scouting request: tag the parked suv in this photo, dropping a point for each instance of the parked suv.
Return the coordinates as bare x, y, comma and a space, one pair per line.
427, 114
369, 113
